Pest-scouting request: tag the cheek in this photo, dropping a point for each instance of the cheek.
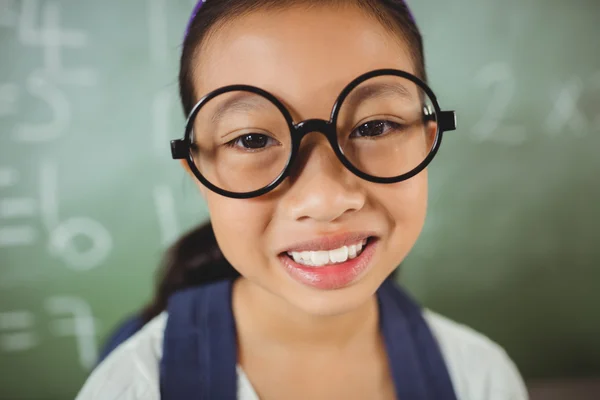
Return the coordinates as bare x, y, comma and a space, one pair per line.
405, 205
239, 226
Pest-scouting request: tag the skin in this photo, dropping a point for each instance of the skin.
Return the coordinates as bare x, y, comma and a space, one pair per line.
296, 341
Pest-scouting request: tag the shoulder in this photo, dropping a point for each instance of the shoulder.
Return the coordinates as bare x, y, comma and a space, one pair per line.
130, 372
479, 367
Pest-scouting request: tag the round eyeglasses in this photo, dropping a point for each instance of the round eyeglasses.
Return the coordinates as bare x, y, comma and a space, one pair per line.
385, 127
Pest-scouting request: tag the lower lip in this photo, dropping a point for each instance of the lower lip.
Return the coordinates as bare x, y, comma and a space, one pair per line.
331, 277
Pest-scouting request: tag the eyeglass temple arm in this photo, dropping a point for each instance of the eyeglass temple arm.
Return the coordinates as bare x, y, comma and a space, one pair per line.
179, 149
447, 119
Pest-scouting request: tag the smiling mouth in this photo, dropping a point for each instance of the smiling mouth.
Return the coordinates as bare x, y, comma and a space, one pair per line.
331, 269
320, 258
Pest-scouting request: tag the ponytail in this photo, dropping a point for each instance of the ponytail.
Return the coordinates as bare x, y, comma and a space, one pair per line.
193, 260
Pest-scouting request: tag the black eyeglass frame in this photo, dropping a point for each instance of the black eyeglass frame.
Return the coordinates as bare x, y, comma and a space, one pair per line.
181, 149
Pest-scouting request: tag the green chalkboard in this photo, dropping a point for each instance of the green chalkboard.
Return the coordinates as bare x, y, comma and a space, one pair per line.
89, 197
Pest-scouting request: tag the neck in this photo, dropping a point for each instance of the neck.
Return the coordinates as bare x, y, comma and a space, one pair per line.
262, 317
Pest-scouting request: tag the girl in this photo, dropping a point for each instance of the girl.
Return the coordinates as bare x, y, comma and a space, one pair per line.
310, 127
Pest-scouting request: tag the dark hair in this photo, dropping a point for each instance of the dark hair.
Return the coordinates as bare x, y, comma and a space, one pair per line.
193, 260
196, 259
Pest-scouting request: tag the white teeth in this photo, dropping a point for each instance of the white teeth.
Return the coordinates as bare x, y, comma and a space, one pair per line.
297, 257
305, 255
352, 251
339, 255
320, 258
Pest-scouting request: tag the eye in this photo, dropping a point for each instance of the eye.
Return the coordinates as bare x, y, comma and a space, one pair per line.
253, 142
373, 129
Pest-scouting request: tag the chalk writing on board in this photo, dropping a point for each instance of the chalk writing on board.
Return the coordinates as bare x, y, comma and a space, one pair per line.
17, 207
566, 114
9, 93
62, 243
62, 233
42, 88
52, 38
13, 231
500, 78
16, 331
78, 321
8, 13
70, 317
17, 235
166, 212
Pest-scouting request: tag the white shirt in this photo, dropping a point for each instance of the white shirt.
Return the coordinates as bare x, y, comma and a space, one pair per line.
478, 367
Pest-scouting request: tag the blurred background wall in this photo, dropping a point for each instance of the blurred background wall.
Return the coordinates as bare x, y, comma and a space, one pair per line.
89, 197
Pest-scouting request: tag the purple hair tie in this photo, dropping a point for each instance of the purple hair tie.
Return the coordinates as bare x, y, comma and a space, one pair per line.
194, 13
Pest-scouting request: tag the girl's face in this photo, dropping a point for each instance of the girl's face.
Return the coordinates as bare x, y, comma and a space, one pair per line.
305, 57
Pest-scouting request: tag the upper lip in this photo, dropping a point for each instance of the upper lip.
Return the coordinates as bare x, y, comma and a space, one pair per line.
329, 242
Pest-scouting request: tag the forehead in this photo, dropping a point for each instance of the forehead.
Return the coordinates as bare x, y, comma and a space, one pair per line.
304, 57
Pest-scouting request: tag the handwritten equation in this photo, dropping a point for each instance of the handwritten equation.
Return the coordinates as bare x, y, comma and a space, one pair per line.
20, 330
38, 26
566, 109
60, 233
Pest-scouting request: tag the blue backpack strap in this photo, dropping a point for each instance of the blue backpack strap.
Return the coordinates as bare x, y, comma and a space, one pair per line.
200, 347
416, 361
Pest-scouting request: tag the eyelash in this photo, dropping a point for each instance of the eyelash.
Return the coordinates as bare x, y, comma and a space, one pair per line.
391, 126
234, 143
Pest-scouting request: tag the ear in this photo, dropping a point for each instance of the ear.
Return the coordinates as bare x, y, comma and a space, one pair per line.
431, 128
199, 184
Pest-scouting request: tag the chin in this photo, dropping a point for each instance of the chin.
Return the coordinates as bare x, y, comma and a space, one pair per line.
331, 302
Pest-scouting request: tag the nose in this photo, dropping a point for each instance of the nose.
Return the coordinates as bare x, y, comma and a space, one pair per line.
321, 188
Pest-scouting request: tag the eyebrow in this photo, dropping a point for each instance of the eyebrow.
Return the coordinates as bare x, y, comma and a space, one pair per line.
239, 102
374, 90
